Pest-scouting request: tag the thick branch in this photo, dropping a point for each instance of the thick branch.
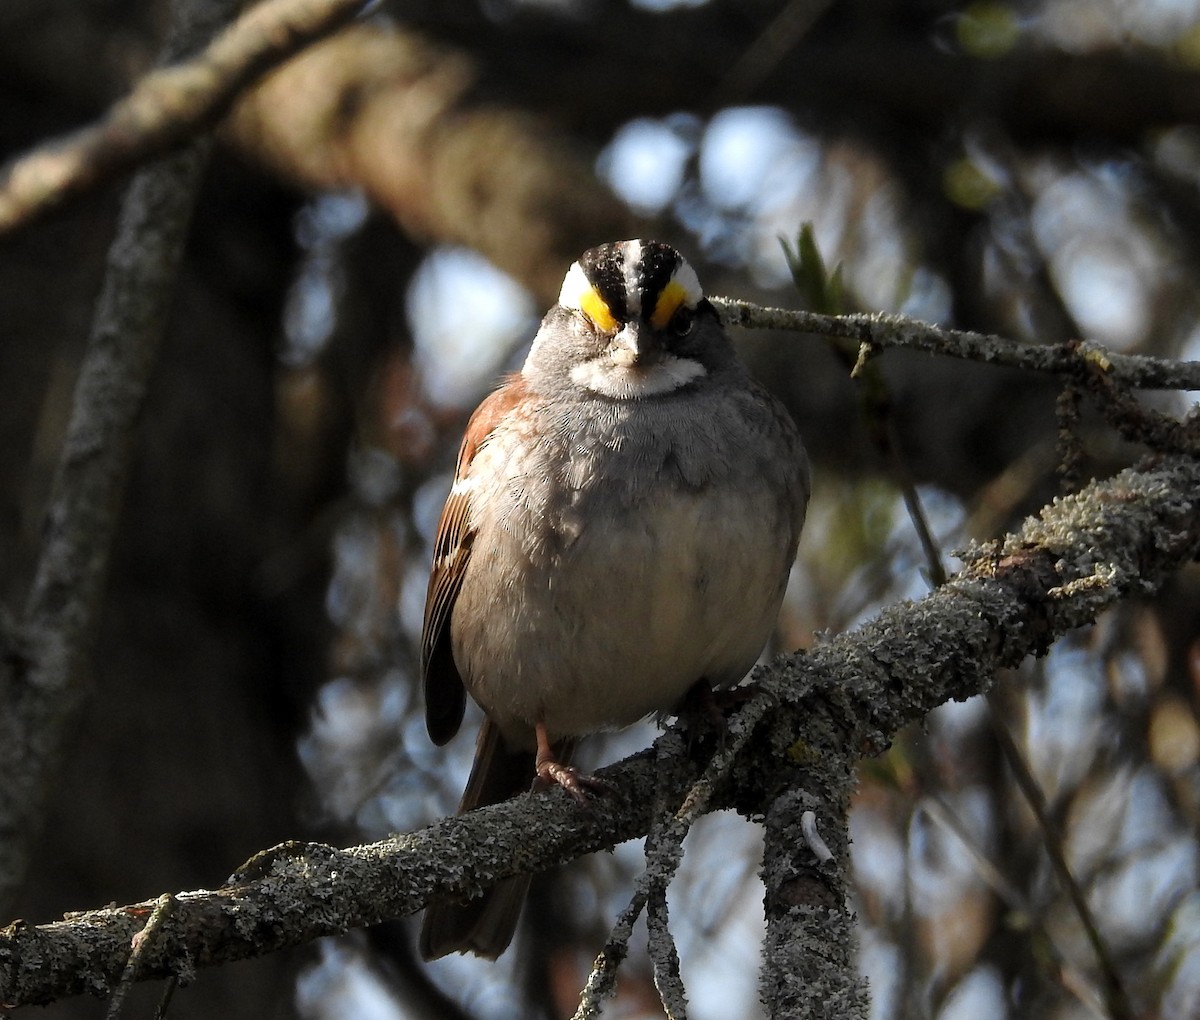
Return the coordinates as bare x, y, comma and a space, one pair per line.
890, 78
42, 683
167, 106
1116, 538
809, 951
386, 111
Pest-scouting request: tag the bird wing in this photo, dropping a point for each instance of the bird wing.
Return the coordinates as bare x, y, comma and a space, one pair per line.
445, 695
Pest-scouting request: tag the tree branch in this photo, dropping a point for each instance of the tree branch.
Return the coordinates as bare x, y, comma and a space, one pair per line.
42, 684
878, 330
167, 107
809, 950
844, 699
385, 110
893, 79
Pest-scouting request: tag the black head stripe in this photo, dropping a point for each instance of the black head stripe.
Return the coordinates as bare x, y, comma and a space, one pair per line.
604, 267
655, 268
611, 272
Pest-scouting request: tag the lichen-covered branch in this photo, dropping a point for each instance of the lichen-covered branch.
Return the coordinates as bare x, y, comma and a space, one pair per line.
878, 331
810, 947
845, 699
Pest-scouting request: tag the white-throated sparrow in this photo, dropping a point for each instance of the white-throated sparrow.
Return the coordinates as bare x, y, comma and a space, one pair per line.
624, 515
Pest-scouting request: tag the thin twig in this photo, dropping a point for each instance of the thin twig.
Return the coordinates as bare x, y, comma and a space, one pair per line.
167, 106
882, 330
937, 809
664, 852
1070, 447
885, 433
664, 956
602, 981
912, 501
1116, 1000
742, 726
162, 910
164, 1002
1163, 433
763, 56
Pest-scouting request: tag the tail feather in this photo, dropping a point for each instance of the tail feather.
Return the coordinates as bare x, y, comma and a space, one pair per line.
485, 925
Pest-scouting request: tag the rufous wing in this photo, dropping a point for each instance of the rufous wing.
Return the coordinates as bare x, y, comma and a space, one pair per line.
445, 695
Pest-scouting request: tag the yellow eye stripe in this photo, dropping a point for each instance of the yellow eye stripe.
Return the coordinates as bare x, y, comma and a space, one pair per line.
580, 293
596, 308
673, 295
583, 294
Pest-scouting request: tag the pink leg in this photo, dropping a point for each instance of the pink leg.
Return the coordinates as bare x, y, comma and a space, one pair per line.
551, 772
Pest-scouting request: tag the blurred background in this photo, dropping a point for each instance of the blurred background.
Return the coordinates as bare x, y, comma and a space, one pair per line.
382, 226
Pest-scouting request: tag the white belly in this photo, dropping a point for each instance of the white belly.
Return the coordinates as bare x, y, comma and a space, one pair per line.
626, 618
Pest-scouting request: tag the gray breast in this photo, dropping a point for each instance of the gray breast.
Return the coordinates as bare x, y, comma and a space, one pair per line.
644, 545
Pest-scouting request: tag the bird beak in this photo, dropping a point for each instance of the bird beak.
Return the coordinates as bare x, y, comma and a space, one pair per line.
634, 345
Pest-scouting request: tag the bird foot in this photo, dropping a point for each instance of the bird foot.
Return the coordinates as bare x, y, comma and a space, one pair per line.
552, 772
577, 784
704, 709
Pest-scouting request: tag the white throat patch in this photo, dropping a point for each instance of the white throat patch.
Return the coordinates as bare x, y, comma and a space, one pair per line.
603, 376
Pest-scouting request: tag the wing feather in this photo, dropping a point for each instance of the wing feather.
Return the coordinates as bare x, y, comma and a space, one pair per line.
445, 694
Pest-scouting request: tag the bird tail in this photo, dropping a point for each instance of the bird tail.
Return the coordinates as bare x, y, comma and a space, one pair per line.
484, 925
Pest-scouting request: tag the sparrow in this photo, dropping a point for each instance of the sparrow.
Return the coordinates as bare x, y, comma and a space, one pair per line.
624, 515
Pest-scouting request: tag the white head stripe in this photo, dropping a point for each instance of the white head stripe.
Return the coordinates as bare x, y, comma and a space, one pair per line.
629, 266
574, 286
686, 277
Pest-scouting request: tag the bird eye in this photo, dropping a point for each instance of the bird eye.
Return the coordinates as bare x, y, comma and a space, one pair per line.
683, 321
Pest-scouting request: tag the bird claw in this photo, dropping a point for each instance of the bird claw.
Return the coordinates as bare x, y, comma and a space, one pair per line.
551, 773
